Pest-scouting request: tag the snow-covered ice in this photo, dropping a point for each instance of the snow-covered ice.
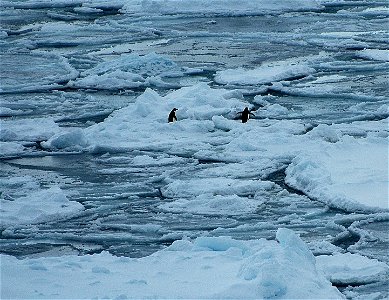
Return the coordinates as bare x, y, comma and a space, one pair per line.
338, 178
218, 7
205, 268
35, 206
129, 71
35, 71
351, 269
101, 197
374, 54
350, 175
262, 75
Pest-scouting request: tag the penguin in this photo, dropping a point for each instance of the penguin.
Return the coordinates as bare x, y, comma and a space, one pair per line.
245, 115
172, 115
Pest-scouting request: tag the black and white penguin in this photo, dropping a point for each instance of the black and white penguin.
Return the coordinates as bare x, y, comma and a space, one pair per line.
246, 115
172, 115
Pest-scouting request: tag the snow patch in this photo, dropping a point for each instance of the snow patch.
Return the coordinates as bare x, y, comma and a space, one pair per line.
206, 268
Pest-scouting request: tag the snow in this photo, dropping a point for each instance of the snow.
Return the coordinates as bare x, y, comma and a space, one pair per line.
33, 204
73, 140
27, 129
205, 268
129, 71
262, 75
350, 175
8, 149
374, 54
218, 7
35, 71
330, 163
351, 269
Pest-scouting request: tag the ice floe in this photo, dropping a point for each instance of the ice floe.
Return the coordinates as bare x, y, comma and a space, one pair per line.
374, 54
351, 175
129, 71
351, 269
38, 129
262, 75
339, 164
34, 71
218, 7
205, 268
32, 204
9, 149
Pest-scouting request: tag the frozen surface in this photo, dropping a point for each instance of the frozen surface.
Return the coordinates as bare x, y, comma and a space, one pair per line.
374, 54
36, 206
218, 7
129, 71
262, 75
36, 71
203, 268
95, 182
356, 183
28, 129
352, 269
351, 175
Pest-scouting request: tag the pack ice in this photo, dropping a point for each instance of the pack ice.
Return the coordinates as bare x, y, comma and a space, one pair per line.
205, 268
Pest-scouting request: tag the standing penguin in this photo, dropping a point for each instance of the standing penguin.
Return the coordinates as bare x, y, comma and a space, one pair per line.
172, 115
245, 115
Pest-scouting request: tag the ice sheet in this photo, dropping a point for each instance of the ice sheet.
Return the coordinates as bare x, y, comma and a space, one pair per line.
351, 174
218, 7
129, 71
34, 71
204, 268
351, 269
37, 205
374, 54
205, 119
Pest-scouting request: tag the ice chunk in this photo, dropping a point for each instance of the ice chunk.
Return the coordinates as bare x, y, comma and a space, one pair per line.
38, 129
38, 206
216, 186
10, 149
206, 268
374, 54
208, 204
263, 74
218, 7
72, 140
351, 269
350, 175
39, 71
129, 71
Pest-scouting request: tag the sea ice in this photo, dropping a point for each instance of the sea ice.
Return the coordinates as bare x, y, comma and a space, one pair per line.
38, 205
129, 71
35, 71
330, 163
32, 130
351, 174
262, 75
351, 269
218, 7
8, 149
374, 54
205, 268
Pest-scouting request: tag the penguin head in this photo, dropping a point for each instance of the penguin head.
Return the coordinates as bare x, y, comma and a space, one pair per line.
174, 109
